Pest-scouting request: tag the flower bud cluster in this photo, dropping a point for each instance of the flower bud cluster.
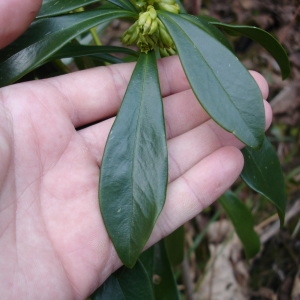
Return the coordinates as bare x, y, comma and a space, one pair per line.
148, 31
168, 5
147, 21
167, 51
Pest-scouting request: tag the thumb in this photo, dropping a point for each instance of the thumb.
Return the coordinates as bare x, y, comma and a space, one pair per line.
15, 17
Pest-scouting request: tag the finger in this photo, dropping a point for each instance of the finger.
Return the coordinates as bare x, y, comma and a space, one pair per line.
182, 114
95, 94
15, 17
196, 189
5, 146
262, 83
187, 149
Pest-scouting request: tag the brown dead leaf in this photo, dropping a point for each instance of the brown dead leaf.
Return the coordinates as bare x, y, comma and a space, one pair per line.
226, 273
296, 287
286, 105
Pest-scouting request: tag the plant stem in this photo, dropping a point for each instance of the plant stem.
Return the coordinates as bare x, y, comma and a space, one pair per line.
187, 280
95, 36
61, 66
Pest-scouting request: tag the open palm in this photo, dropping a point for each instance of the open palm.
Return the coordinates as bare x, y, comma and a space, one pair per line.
52, 236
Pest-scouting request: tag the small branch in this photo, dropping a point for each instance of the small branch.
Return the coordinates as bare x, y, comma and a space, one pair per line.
187, 281
293, 211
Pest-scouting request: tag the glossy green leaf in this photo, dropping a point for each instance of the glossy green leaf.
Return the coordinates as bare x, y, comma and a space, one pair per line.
126, 284
81, 50
209, 28
157, 263
262, 172
242, 221
125, 4
134, 169
109, 290
175, 246
222, 85
59, 7
45, 37
97, 52
265, 39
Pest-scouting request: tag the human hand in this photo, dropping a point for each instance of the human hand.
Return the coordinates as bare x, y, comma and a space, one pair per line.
53, 240
52, 134
15, 17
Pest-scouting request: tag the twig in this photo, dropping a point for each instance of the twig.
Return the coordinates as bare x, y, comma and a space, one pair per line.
294, 210
187, 281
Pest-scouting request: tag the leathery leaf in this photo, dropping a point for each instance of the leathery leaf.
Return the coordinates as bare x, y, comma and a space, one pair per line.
134, 169
126, 284
45, 37
54, 7
263, 38
242, 221
157, 263
220, 82
262, 172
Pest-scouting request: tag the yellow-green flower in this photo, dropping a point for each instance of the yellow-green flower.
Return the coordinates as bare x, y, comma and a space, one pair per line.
148, 31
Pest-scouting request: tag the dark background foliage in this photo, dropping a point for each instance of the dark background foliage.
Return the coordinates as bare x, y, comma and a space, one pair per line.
274, 273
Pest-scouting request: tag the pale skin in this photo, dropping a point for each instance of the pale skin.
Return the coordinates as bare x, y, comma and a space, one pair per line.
53, 243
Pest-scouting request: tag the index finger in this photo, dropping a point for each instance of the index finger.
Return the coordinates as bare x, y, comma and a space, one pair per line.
95, 94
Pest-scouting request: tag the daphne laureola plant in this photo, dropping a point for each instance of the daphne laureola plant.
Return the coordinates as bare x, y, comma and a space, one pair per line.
134, 169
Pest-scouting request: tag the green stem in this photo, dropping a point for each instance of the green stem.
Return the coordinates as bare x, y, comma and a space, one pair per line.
61, 66
93, 30
95, 36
